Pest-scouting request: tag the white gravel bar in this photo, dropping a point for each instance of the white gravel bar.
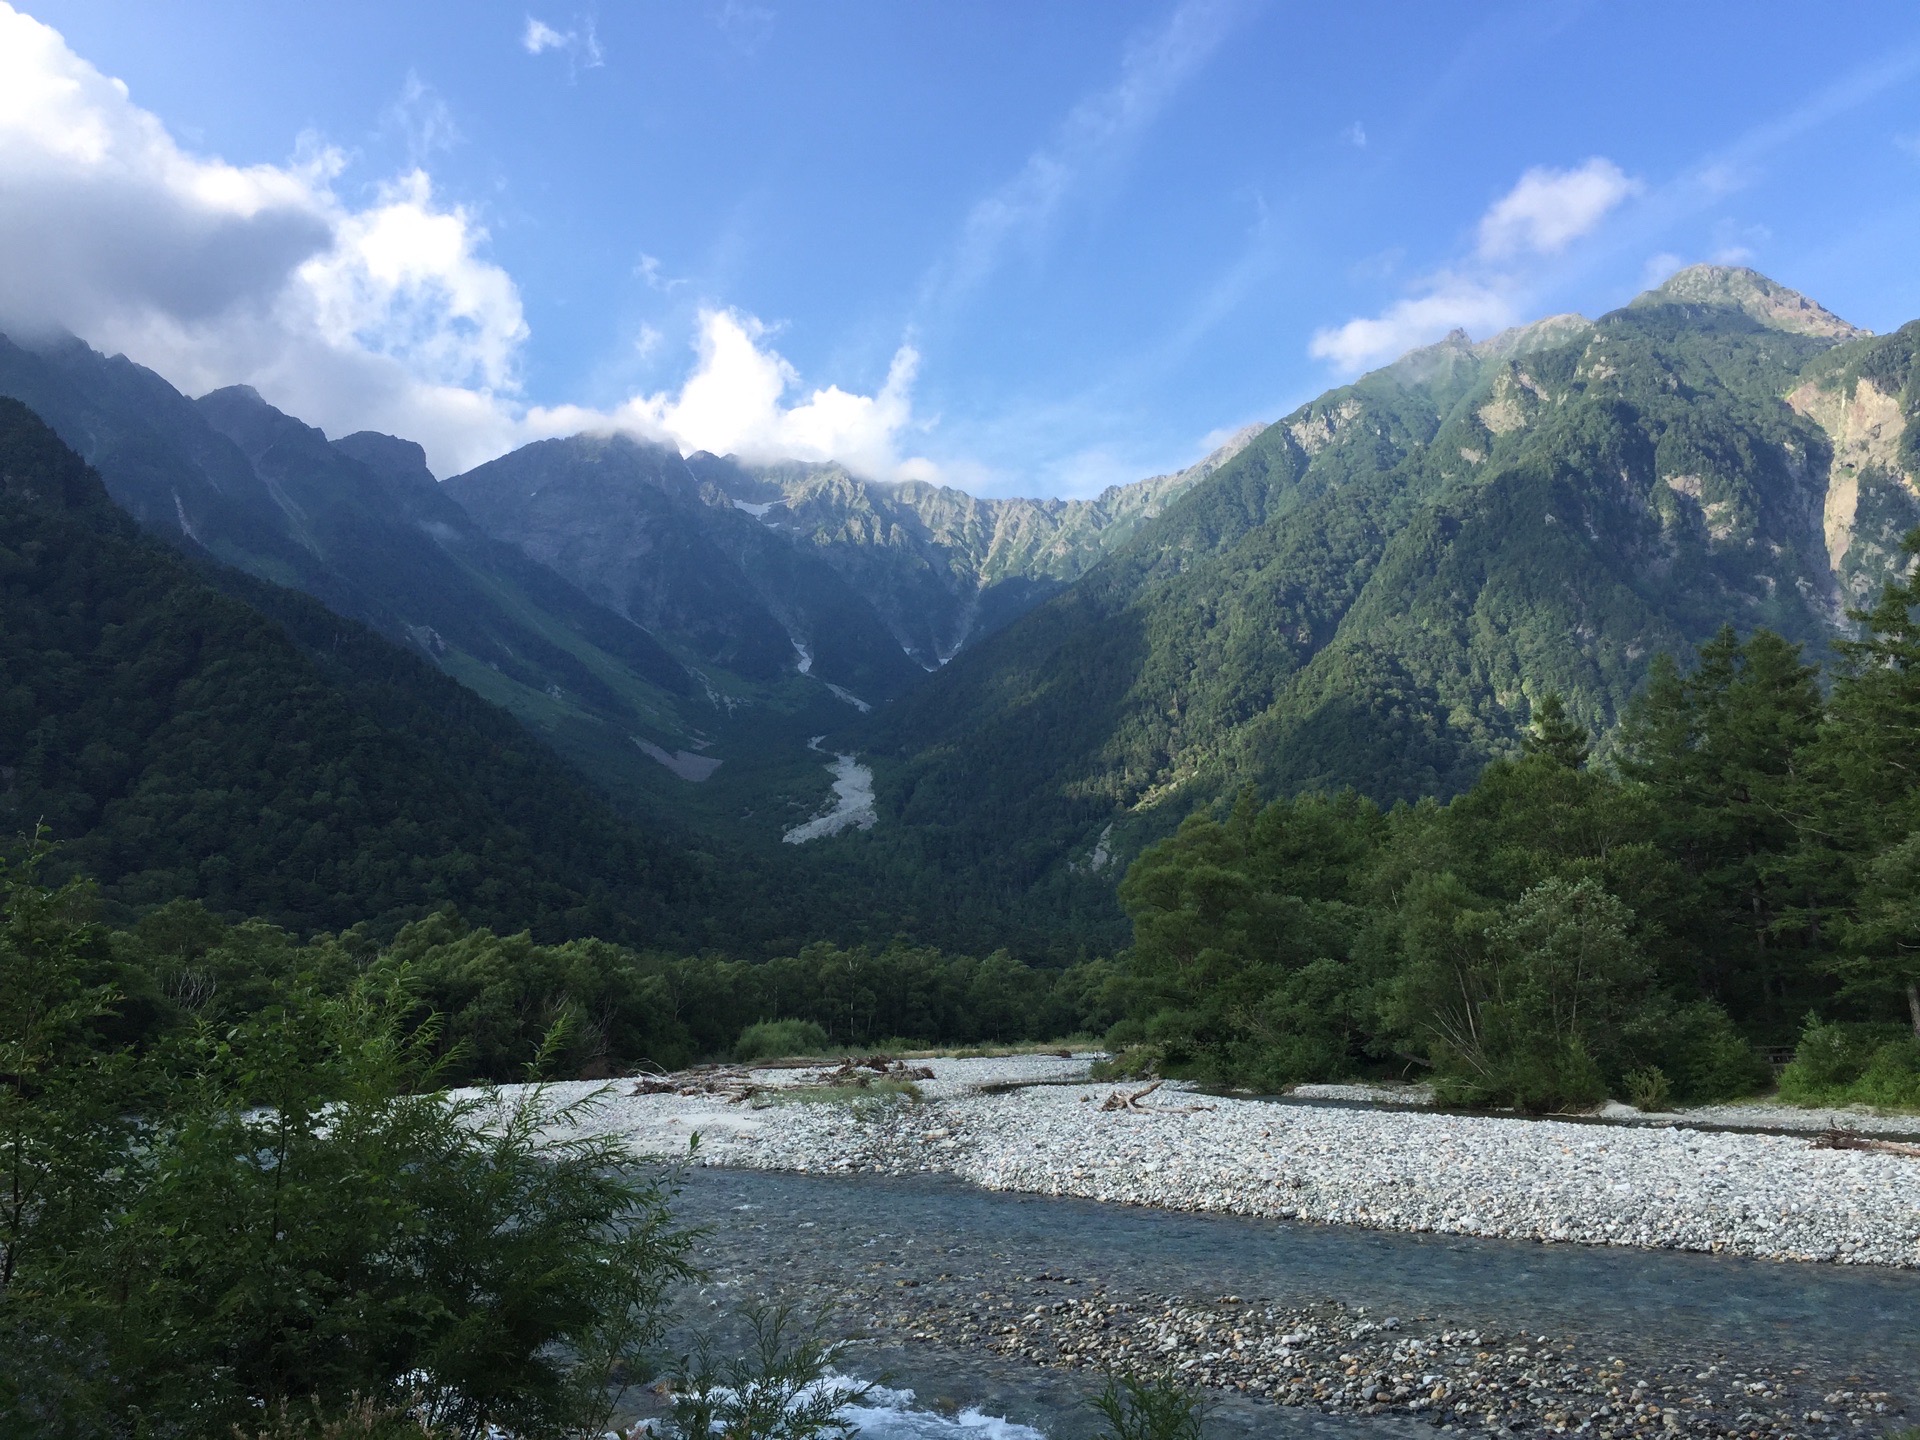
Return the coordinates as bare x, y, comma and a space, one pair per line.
1666, 1186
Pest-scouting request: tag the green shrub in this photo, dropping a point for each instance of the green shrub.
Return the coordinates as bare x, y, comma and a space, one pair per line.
1892, 1076
1842, 1064
1132, 1062
1156, 1407
1649, 1089
1518, 1012
783, 1387
1704, 1057
777, 1039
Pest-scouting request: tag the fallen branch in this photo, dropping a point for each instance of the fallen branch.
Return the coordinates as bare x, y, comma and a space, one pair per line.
1834, 1138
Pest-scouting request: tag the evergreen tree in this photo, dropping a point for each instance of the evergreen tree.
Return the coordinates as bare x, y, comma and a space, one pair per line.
1555, 736
1724, 755
1871, 747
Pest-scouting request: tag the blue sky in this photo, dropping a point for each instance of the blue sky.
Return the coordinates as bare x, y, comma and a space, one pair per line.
1023, 248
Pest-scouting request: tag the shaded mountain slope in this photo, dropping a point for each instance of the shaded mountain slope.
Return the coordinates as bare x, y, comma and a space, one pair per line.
1377, 589
635, 528
256, 751
764, 568
944, 568
360, 525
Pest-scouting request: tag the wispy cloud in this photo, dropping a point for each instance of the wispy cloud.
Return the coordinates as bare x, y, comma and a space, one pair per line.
746, 26
580, 43
1545, 212
1095, 135
423, 121
648, 269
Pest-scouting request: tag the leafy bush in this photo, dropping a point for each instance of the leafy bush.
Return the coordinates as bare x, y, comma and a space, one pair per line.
776, 1039
1841, 1064
782, 1387
1648, 1089
1517, 1015
1130, 1062
298, 1224
1698, 1049
1154, 1407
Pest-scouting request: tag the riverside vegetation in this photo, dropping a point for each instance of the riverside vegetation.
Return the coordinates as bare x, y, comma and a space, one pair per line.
1737, 878
1457, 881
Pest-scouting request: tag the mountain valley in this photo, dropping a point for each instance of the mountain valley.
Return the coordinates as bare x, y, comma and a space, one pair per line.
1375, 592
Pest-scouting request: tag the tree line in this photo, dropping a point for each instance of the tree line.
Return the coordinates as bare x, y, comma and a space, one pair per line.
1741, 875
1735, 880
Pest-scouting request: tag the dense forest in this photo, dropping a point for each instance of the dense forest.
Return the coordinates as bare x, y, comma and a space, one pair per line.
196, 733
1739, 879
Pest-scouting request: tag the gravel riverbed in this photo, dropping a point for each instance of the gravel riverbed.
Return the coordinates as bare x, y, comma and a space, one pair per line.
1033, 1124
1019, 1306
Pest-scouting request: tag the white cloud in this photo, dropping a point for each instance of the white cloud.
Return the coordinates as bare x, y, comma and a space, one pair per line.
1550, 209
540, 36
1661, 268
1356, 135
734, 403
1543, 214
386, 316
1451, 304
104, 213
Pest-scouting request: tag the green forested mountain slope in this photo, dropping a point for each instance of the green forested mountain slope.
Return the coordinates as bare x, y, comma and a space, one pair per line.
360, 525
253, 750
1380, 587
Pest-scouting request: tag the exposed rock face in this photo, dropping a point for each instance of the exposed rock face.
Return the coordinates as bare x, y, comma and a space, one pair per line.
1865, 429
1773, 305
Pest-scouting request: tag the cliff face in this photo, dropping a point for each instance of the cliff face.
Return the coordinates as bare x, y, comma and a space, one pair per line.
1872, 498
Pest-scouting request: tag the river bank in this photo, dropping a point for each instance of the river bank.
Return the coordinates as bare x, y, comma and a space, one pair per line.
1034, 1124
1016, 1306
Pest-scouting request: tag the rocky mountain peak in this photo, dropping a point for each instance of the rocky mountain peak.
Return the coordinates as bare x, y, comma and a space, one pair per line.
386, 455
1767, 301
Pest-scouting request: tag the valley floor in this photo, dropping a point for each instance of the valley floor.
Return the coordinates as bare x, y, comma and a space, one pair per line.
1035, 1124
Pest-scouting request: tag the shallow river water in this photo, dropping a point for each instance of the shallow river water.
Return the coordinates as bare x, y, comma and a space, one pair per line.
893, 1255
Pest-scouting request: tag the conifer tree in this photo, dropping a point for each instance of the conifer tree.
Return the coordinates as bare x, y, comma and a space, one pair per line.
1872, 748
1556, 736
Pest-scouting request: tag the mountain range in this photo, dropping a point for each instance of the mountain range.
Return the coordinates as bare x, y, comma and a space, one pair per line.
1372, 593
1378, 590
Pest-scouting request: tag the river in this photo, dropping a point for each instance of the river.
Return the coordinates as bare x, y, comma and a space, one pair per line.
898, 1255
